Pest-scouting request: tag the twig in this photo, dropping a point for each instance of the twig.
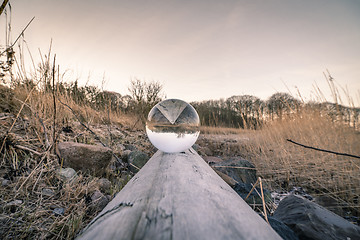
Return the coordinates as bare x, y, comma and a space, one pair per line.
54, 101
91, 131
322, 150
252, 189
28, 149
3, 5
261, 196
137, 168
263, 201
22, 32
234, 167
33, 171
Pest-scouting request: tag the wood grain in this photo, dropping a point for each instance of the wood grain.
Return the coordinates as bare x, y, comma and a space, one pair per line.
177, 196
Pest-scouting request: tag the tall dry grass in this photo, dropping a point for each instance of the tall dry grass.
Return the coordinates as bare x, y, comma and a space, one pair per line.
284, 165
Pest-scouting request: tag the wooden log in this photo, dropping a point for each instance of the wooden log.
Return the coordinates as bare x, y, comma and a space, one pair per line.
177, 196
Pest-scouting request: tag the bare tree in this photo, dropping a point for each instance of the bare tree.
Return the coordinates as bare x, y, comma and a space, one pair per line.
144, 96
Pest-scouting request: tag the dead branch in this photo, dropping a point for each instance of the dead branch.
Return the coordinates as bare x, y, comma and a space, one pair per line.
28, 149
3, 5
21, 34
54, 102
322, 150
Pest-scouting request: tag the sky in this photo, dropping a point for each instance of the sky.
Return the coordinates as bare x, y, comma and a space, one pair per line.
198, 49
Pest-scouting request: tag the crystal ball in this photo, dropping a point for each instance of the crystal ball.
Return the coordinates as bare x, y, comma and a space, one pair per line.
173, 126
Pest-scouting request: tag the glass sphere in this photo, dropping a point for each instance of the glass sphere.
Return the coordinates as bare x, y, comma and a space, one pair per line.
173, 126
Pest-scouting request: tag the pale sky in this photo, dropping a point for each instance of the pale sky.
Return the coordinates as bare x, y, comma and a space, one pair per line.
199, 49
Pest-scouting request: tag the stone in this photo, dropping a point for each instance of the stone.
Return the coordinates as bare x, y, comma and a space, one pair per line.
67, 174
130, 147
138, 158
243, 190
59, 211
239, 169
47, 192
125, 155
284, 231
13, 205
85, 157
196, 146
104, 185
98, 201
226, 178
311, 221
330, 204
5, 182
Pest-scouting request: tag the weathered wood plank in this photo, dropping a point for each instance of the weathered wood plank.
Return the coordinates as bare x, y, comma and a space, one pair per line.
177, 196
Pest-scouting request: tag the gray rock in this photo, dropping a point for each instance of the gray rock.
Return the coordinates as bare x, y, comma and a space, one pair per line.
138, 158
330, 204
85, 157
13, 205
67, 174
125, 155
284, 231
311, 221
239, 169
59, 211
196, 147
5, 182
47, 192
104, 185
130, 147
98, 201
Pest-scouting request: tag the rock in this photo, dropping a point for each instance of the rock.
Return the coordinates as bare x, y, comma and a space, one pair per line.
125, 155
138, 158
5, 182
85, 157
311, 221
226, 178
67, 174
130, 147
98, 201
212, 160
243, 190
330, 204
104, 185
279, 196
284, 231
13, 205
59, 211
196, 147
47, 192
239, 169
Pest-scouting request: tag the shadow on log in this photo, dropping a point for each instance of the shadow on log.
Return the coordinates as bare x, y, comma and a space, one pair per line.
177, 196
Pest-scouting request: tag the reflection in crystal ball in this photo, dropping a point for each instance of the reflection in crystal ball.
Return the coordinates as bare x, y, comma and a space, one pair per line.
173, 126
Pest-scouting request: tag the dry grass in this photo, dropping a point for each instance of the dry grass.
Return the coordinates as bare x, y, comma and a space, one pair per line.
29, 172
283, 164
